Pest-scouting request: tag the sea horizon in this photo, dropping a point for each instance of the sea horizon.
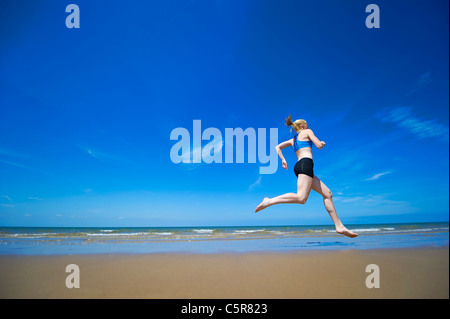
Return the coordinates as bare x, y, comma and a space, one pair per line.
28, 240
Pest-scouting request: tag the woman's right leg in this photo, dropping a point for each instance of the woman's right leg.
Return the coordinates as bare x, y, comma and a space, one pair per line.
323, 190
304, 183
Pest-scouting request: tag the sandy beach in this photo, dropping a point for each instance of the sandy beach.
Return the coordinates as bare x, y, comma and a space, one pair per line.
404, 273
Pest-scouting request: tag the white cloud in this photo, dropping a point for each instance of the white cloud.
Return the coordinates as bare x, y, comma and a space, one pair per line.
34, 198
371, 200
24, 167
423, 80
351, 199
377, 176
403, 118
105, 157
256, 183
10, 153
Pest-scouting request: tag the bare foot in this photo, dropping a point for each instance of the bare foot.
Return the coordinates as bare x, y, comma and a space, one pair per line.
264, 204
344, 231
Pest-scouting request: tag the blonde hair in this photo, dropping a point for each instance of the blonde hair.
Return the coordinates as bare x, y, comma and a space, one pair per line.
297, 125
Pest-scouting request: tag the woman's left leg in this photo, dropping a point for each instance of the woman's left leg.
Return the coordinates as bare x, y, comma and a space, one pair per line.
304, 183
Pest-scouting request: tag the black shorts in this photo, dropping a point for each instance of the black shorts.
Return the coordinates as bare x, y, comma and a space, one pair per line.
304, 166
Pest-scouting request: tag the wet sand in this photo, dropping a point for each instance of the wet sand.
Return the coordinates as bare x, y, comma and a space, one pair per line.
404, 273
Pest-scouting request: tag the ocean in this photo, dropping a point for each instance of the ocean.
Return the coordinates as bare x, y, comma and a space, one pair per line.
229, 239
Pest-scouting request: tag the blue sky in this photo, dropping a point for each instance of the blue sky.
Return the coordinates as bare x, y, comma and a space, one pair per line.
86, 114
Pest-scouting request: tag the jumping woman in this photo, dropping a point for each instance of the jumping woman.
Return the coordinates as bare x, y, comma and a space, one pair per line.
302, 143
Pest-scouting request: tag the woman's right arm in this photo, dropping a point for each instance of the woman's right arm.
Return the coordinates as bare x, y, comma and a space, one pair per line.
279, 147
319, 144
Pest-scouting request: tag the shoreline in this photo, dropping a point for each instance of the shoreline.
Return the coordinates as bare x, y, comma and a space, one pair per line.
404, 273
297, 251
215, 239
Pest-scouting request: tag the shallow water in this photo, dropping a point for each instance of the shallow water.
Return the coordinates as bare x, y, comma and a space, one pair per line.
81, 240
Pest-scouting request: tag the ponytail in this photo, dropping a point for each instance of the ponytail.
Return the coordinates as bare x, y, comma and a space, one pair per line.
294, 125
291, 124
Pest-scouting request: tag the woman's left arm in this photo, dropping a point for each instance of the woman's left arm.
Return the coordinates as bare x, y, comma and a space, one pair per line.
318, 143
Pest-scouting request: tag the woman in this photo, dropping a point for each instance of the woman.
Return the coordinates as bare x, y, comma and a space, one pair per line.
304, 170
